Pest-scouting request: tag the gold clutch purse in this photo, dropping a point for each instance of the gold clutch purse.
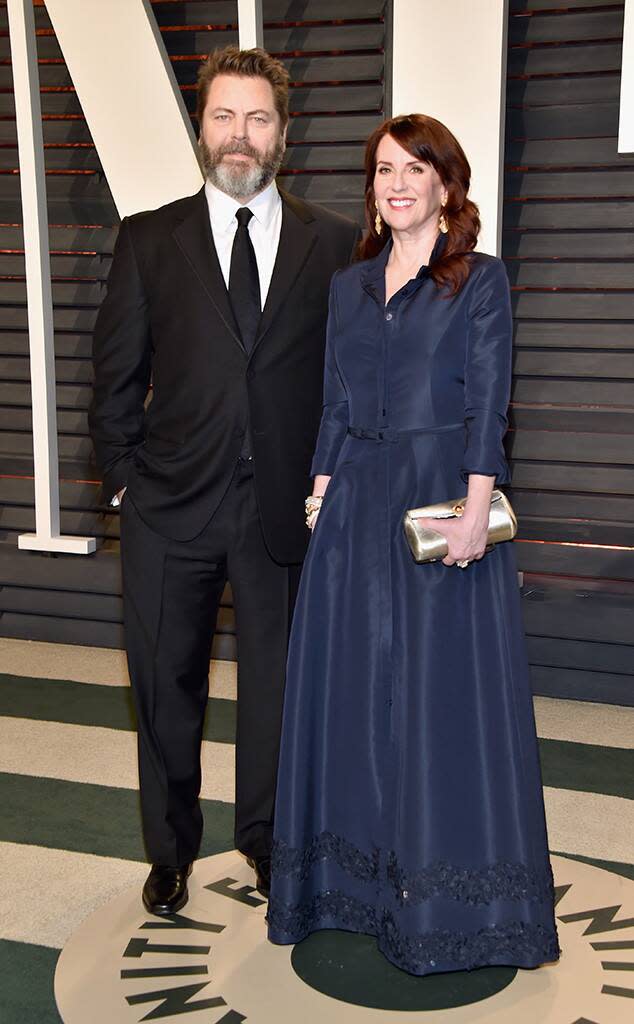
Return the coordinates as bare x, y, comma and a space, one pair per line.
429, 546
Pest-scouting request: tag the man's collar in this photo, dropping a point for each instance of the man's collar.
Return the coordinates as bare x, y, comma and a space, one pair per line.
265, 204
223, 207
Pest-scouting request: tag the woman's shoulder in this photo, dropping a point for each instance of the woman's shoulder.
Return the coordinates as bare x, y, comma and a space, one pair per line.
486, 272
485, 267
484, 263
354, 274
487, 284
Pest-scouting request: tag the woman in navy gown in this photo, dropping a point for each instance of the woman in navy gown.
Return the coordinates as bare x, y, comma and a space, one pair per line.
409, 802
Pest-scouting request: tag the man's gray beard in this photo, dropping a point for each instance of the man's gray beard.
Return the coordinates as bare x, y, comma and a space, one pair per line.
237, 180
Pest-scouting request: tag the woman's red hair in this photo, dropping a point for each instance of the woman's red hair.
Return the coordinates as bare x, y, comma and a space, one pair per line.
429, 141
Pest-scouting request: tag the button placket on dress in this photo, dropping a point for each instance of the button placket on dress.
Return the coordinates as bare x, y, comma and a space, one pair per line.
390, 316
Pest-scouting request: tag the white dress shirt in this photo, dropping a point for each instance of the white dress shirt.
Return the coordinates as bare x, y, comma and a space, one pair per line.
264, 229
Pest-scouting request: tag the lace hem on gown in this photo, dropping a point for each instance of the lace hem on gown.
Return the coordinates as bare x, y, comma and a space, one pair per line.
512, 942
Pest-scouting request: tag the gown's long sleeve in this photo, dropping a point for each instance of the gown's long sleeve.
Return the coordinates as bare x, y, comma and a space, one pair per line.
335, 415
488, 374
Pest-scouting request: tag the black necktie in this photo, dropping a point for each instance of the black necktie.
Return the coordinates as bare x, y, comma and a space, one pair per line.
244, 281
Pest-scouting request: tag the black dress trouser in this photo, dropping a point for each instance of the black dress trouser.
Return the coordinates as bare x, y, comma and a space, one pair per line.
171, 594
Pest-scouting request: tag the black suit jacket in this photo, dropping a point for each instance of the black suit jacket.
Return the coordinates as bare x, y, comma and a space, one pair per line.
167, 319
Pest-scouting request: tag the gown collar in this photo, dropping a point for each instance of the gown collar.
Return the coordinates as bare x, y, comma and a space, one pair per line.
373, 274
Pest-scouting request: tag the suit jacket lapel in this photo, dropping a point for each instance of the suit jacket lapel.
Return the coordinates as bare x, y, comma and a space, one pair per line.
297, 237
195, 238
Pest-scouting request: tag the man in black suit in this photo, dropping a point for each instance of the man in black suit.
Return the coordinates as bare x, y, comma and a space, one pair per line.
220, 302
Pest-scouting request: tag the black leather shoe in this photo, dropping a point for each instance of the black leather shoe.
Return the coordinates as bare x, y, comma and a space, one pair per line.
165, 889
262, 868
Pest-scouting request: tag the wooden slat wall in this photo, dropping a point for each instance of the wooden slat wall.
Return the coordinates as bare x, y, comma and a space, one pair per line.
569, 250
334, 50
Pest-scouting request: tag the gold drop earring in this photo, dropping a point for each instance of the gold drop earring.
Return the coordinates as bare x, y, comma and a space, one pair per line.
378, 223
443, 224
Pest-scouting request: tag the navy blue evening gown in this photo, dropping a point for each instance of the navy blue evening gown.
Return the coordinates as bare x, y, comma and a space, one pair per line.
409, 802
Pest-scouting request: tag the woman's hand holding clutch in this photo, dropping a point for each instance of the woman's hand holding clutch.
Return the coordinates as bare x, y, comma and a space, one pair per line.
461, 530
466, 536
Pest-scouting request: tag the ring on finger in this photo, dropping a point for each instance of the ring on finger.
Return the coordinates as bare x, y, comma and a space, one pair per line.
463, 563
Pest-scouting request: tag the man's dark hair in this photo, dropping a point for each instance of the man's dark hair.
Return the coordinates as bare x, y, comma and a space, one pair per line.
256, 63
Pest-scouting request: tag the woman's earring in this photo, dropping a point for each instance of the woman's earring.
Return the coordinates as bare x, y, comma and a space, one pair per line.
378, 223
442, 223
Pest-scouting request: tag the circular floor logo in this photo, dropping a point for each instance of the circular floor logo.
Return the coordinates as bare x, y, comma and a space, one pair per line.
212, 963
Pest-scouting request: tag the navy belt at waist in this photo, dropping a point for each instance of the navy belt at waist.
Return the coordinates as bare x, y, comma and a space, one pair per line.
391, 434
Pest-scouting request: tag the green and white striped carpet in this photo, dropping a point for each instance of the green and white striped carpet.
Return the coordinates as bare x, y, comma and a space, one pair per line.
69, 823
